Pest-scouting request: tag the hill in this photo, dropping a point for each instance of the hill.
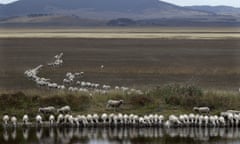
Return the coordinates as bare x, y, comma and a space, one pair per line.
104, 9
114, 13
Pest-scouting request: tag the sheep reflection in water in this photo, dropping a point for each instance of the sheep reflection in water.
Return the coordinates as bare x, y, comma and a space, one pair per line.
65, 135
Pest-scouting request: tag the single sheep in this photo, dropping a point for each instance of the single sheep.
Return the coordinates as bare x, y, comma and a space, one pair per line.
47, 110
202, 109
64, 110
114, 104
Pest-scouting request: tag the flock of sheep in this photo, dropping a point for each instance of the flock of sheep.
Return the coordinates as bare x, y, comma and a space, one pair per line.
74, 81
46, 117
62, 117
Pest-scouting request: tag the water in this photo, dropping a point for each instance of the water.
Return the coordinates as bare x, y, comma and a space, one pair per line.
120, 135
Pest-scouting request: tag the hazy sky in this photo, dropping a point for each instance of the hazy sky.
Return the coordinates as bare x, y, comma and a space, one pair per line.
235, 3
6, 1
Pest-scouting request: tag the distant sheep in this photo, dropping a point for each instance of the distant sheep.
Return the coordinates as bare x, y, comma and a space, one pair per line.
64, 110
14, 121
106, 87
25, 119
114, 103
47, 110
51, 119
39, 119
233, 111
202, 109
5, 119
102, 67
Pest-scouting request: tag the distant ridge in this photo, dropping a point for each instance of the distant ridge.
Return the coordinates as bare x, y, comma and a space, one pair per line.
220, 10
107, 9
113, 13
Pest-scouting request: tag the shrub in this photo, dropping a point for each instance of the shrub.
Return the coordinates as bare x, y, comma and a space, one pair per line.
176, 94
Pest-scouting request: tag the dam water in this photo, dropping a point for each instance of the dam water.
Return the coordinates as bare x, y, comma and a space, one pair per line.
119, 135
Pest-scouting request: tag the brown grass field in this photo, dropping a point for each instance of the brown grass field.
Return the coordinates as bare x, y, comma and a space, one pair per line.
139, 58
211, 63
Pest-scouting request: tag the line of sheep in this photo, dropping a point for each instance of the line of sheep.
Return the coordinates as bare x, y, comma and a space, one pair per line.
58, 61
64, 118
74, 82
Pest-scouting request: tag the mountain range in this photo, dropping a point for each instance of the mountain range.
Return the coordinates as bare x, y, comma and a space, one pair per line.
112, 12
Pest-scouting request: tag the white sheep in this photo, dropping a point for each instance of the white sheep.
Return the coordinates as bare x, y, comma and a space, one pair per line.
222, 121
96, 118
64, 110
14, 121
74, 89
114, 103
83, 84
33, 72
106, 87
191, 118
126, 119
85, 121
142, 121
111, 118
60, 119
120, 118
70, 120
57, 61
130, 117
25, 120
5, 119
182, 119
79, 74
52, 85
202, 109
102, 67
51, 119
96, 86
67, 81
61, 87
174, 121
160, 119
206, 120
135, 120
47, 110
236, 119
124, 89
116, 88
167, 124
90, 119
75, 121
104, 118
39, 119
78, 83
233, 111
212, 121
41, 83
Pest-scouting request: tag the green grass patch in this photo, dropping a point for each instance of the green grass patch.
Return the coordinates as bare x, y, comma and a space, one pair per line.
167, 99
